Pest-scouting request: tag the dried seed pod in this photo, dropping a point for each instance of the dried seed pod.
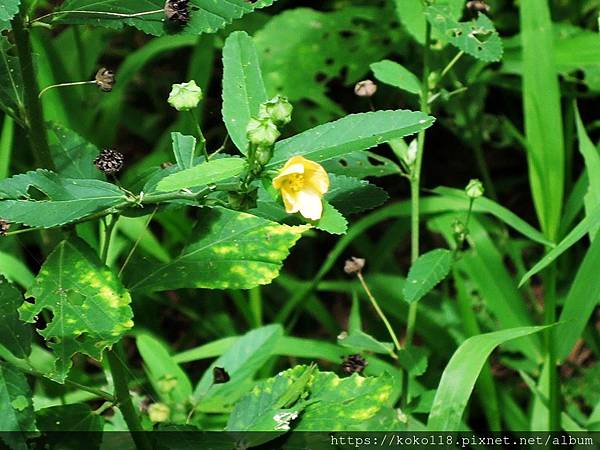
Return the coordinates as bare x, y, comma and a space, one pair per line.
354, 364
478, 6
166, 165
177, 11
220, 375
365, 88
105, 79
109, 161
4, 227
354, 265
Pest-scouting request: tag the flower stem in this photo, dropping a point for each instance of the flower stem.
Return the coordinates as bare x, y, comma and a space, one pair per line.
74, 83
200, 134
108, 14
33, 114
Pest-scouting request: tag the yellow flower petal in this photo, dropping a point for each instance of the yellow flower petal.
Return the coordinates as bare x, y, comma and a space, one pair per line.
286, 172
290, 201
311, 206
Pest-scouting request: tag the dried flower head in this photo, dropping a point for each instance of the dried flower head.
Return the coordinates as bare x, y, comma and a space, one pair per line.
354, 265
177, 11
4, 227
220, 375
354, 364
365, 88
105, 79
478, 5
109, 161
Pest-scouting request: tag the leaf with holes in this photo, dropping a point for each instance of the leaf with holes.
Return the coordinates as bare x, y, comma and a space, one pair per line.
16, 407
206, 16
89, 304
243, 87
44, 199
426, 272
478, 37
362, 164
230, 250
350, 195
14, 334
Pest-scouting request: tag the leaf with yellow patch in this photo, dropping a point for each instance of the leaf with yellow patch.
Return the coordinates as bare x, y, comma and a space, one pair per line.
230, 250
89, 305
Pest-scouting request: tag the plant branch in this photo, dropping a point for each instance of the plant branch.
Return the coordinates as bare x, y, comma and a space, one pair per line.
108, 14
74, 83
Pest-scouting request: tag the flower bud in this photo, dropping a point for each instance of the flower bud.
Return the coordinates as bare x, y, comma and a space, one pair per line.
365, 88
278, 109
474, 189
459, 231
262, 132
185, 96
354, 265
263, 155
411, 153
159, 412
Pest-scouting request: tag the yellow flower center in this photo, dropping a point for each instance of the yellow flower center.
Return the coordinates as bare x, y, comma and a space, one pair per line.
296, 182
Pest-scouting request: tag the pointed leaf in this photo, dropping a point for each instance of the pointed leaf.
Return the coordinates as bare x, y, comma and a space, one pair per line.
90, 307
426, 272
243, 87
394, 74
183, 149
203, 174
350, 195
332, 221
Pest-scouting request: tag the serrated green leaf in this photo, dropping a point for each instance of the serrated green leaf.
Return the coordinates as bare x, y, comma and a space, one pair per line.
66, 200
394, 74
14, 334
361, 164
11, 83
243, 87
203, 174
461, 373
63, 426
477, 38
344, 404
412, 15
183, 149
90, 306
241, 361
8, 9
425, 273
332, 221
73, 155
206, 16
351, 195
352, 133
16, 407
230, 250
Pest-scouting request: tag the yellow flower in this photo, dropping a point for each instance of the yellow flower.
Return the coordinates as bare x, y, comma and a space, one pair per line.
302, 184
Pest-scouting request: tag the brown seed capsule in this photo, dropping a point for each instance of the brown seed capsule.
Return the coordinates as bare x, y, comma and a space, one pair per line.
220, 375
354, 364
109, 161
177, 11
365, 88
354, 265
478, 5
105, 79
4, 227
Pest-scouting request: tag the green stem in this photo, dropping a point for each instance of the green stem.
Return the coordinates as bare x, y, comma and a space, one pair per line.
379, 311
450, 65
554, 408
201, 137
108, 236
33, 114
415, 186
256, 306
119, 376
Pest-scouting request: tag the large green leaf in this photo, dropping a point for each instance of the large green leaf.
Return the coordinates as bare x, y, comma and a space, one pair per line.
478, 37
43, 199
460, 375
426, 272
63, 426
349, 134
332, 221
243, 87
203, 174
90, 307
350, 195
543, 119
412, 15
206, 16
15, 270
230, 250
362, 164
73, 155
14, 334
241, 361
11, 84
16, 407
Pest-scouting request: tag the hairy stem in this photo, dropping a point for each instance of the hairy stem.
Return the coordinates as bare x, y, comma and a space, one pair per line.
33, 114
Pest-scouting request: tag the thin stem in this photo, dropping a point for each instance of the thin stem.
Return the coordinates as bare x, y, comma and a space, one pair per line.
123, 397
137, 242
74, 83
32, 115
107, 237
102, 13
200, 134
450, 65
380, 312
256, 307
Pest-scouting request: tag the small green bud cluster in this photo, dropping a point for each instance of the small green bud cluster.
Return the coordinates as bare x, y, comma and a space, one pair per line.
185, 96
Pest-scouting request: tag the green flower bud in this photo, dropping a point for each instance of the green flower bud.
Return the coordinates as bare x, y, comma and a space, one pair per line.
474, 189
185, 96
263, 155
159, 412
262, 132
278, 109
